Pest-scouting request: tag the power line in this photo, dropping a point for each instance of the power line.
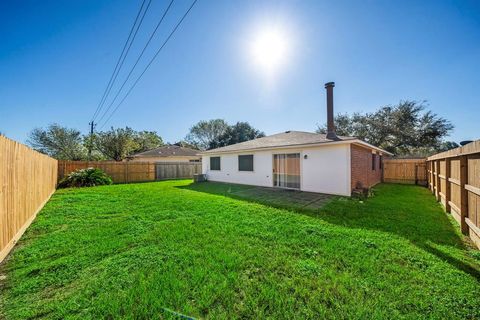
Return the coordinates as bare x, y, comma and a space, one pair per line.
124, 54
138, 59
151, 61
118, 61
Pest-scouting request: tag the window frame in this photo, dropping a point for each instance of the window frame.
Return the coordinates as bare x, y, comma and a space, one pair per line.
374, 161
246, 155
219, 163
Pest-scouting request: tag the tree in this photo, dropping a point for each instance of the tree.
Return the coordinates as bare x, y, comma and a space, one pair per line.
204, 132
448, 145
116, 144
239, 132
147, 140
403, 129
89, 144
58, 142
185, 144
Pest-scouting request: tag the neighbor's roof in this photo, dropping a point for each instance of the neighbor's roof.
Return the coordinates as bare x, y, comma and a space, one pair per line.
287, 139
168, 151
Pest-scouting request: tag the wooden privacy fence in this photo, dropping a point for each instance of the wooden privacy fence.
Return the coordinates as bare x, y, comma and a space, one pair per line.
454, 178
27, 180
177, 170
133, 171
410, 171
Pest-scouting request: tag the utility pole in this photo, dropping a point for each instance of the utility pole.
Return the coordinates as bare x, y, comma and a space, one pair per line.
90, 143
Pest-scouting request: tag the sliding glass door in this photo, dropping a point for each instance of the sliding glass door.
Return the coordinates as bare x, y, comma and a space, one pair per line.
286, 170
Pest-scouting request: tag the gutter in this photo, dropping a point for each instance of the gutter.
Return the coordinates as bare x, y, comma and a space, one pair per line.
308, 145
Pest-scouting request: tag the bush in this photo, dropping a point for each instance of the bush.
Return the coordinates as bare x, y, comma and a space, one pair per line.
85, 178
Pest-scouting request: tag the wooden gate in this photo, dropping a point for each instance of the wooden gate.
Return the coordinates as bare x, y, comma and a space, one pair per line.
176, 170
409, 171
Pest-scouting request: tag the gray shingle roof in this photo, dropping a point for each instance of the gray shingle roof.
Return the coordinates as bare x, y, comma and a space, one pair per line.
168, 151
284, 139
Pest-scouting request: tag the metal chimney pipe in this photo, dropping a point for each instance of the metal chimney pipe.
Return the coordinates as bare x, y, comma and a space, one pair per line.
330, 124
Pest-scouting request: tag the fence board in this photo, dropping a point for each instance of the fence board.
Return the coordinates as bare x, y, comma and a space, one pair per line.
27, 180
460, 184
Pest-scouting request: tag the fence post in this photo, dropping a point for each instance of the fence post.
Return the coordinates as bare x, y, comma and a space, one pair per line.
434, 181
429, 172
437, 179
434, 186
463, 194
416, 174
126, 170
447, 185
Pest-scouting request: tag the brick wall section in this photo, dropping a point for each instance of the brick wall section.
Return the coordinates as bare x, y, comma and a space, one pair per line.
361, 166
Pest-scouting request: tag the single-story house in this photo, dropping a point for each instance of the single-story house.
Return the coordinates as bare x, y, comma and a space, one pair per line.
168, 153
324, 163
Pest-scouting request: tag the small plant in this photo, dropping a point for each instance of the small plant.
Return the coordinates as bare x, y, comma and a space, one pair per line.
362, 193
85, 178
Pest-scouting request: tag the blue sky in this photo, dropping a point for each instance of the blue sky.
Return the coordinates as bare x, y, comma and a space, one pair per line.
57, 56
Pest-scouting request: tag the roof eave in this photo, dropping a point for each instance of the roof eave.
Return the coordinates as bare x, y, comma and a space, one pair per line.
292, 146
163, 156
316, 144
361, 142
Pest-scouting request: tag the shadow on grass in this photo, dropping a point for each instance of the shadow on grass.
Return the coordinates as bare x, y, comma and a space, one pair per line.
404, 210
305, 202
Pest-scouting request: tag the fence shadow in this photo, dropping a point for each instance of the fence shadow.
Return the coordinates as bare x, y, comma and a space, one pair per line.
404, 210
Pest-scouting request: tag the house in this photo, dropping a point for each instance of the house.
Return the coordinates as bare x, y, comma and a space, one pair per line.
168, 153
324, 163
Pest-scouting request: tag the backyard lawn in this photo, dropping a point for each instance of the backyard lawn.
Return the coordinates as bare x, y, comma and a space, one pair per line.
217, 251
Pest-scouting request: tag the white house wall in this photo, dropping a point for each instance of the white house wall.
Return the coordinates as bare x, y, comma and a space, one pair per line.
260, 176
326, 169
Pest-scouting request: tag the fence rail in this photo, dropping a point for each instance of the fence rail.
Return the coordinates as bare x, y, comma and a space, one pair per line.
27, 180
409, 171
133, 171
454, 179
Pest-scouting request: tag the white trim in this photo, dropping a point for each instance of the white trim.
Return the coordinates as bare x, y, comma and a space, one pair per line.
297, 146
358, 141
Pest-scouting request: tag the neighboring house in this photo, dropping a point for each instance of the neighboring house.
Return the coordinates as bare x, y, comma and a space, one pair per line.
168, 153
323, 163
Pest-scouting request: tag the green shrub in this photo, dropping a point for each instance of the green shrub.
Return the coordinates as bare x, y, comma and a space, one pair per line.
85, 178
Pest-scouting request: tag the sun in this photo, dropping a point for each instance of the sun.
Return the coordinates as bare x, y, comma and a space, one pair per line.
270, 49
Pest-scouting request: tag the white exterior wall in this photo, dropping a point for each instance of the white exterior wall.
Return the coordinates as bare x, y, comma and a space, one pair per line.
326, 169
260, 176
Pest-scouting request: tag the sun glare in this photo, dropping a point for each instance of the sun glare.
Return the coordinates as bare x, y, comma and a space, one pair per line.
270, 49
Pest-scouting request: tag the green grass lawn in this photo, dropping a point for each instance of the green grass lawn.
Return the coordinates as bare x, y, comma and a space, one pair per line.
134, 251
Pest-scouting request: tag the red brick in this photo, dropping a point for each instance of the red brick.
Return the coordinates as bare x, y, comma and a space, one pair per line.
361, 167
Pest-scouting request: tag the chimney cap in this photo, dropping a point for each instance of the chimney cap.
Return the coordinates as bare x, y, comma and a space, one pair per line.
329, 84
